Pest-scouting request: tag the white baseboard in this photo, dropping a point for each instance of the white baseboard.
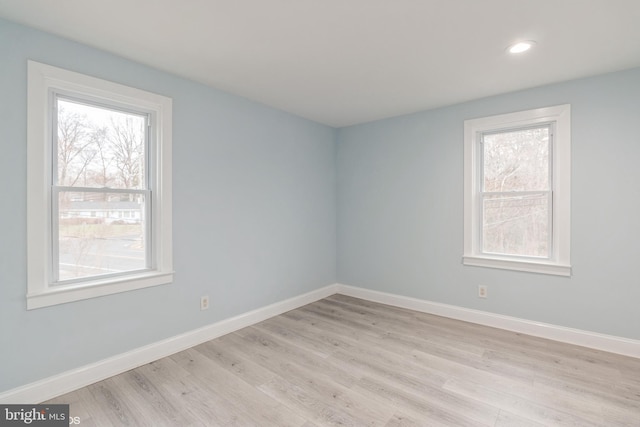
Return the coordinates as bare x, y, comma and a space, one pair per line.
610, 343
74, 379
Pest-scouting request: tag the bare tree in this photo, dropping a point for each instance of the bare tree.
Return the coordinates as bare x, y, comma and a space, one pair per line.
74, 147
127, 143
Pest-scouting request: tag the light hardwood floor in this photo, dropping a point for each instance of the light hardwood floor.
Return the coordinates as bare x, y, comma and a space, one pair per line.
345, 361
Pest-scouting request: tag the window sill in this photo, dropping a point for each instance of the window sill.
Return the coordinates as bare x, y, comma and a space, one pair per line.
527, 266
96, 288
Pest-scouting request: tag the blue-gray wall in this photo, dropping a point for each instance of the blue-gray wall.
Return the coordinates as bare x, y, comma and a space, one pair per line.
253, 203
400, 209
255, 213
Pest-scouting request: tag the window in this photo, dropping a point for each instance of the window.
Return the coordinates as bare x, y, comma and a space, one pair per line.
99, 187
517, 191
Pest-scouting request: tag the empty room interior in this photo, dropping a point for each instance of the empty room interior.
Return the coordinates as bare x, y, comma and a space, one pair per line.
313, 213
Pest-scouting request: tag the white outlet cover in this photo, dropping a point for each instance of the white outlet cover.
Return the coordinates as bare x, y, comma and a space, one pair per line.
482, 291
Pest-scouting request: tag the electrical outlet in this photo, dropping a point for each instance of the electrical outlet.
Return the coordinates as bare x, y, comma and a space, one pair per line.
482, 291
204, 302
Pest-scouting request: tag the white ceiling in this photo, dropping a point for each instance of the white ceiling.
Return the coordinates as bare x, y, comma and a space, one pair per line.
342, 62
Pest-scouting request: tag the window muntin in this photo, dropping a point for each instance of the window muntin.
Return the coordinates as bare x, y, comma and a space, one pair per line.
98, 203
517, 189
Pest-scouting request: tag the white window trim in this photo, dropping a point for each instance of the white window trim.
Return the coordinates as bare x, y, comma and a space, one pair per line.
42, 80
559, 263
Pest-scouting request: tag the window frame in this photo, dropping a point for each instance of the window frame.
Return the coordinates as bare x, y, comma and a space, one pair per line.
558, 262
44, 83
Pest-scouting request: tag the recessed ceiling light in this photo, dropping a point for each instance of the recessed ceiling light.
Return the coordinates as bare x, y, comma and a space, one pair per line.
521, 46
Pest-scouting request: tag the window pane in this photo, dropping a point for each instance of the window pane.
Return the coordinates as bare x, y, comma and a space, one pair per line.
99, 147
516, 225
516, 160
100, 233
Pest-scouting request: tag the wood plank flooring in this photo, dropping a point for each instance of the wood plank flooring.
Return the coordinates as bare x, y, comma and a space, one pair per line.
348, 362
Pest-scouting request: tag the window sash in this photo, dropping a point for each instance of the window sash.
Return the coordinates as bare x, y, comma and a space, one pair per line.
148, 155
55, 234
483, 195
148, 158
481, 158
